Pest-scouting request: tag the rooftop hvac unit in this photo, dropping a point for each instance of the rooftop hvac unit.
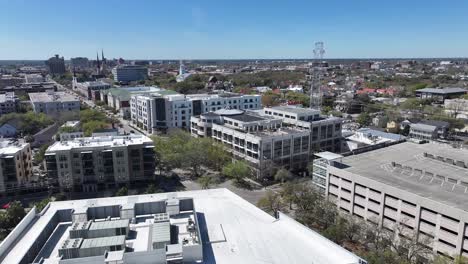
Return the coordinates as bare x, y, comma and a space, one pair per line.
172, 206
162, 217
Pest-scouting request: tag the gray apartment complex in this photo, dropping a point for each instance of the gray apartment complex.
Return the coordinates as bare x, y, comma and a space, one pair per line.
422, 187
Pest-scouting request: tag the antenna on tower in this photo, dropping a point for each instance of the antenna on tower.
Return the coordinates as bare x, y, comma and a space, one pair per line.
316, 76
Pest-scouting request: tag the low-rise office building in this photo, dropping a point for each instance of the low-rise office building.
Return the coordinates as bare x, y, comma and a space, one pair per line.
94, 163
440, 94
421, 187
15, 166
129, 73
89, 89
156, 112
205, 226
271, 138
325, 131
54, 103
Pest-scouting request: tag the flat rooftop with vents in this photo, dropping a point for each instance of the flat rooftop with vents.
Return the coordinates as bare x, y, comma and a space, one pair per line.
207, 226
434, 171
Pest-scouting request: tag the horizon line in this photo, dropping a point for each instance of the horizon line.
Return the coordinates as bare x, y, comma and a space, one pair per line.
226, 59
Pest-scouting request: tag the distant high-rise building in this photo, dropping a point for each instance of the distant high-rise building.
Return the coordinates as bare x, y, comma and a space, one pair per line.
129, 73
56, 65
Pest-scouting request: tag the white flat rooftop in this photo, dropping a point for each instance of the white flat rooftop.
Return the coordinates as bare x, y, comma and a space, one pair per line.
328, 155
233, 231
104, 141
46, 97
10, 147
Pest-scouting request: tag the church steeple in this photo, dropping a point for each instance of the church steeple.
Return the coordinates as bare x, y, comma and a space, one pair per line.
102, 56
98, 66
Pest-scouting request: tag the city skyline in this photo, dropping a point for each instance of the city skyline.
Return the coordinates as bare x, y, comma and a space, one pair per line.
241, 30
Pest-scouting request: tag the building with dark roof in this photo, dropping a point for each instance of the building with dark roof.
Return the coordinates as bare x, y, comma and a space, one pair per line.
440, 94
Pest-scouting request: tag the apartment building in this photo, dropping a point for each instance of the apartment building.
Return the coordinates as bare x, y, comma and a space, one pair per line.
15, 166
119, 98
129, 73
8, 103
95, 163
54, 103
167, 111
204, 226
421, 187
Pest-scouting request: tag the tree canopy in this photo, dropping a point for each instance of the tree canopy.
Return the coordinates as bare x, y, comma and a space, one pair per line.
180, 150
237, 170
29, 123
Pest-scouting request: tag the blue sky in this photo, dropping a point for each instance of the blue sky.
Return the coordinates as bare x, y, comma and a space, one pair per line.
238, 29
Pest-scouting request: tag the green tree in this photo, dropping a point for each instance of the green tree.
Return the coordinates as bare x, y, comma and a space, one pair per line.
15, 213
151, 189
42, 204
206, 181
270, 99
180, 150
216, 156
271, 202
195, 154
39, 156
283, 175
364, 119
29, 123
298, 97
288, 193
92, 126
237, 170
122, 191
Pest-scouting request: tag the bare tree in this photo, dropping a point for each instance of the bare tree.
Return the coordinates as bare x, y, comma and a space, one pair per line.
271, 202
